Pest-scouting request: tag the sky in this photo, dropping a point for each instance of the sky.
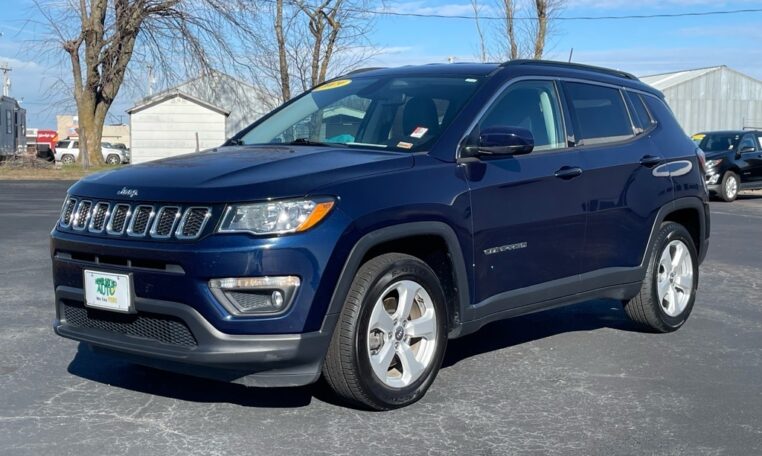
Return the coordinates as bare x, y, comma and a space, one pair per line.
641, 46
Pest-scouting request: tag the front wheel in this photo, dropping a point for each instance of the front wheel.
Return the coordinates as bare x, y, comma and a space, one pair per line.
729, 187
390, 339
68, 159
669, 289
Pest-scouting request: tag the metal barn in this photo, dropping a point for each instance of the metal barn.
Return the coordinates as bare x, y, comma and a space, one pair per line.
716, 98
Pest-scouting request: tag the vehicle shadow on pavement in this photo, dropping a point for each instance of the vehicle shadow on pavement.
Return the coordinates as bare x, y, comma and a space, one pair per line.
122, 374
500, 335
585, 316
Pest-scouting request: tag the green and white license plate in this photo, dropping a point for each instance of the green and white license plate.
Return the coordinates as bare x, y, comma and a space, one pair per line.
108, 291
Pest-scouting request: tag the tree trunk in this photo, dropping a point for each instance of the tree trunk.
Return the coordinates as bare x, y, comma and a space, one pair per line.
510, 28
285, 83
542, 28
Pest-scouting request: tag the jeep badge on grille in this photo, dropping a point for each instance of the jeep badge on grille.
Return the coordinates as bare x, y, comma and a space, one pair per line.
131, 192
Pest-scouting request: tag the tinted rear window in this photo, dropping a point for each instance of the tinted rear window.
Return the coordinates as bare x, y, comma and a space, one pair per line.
600, 113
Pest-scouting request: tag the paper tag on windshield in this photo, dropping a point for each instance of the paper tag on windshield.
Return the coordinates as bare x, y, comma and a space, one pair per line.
404, 145
419, 132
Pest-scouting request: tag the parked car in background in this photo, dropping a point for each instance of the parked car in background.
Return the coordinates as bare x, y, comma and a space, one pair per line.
67, 152
733, 162
467, 194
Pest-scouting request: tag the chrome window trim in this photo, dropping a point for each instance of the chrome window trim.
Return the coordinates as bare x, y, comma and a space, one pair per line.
75, 222
109, 226
183, 220
557, 79
135, 213
156, 219
90, 227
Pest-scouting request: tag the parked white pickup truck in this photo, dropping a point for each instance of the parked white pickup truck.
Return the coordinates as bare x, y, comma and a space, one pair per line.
67, 152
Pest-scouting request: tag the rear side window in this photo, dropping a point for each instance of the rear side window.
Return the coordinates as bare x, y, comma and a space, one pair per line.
641, 117
599, 112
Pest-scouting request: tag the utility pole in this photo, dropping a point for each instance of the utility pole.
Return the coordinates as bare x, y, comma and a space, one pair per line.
6, 79
150, 80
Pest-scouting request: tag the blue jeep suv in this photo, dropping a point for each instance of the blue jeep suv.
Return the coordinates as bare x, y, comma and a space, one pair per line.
354, 230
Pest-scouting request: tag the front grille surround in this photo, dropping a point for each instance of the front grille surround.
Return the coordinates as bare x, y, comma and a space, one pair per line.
138, 220
82, 215
196, 215
67, 212
119, 218
99, 217
141, 220
165, 221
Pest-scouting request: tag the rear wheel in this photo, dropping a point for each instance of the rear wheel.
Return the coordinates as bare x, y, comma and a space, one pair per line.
68, 159
729, 186
113, 159
390, 339
669, 289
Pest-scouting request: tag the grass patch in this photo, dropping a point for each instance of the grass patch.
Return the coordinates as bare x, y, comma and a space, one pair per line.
32, 169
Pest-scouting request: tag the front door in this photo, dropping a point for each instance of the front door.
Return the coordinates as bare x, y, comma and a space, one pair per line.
528, 210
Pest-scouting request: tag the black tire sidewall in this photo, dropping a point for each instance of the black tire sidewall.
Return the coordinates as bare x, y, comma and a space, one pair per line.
672, 232
398, 271
115, 157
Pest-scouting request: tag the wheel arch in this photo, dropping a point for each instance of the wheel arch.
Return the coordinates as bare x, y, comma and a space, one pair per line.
423, 240
690, 212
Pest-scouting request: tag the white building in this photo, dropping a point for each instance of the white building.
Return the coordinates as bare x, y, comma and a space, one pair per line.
199, 114
716, 98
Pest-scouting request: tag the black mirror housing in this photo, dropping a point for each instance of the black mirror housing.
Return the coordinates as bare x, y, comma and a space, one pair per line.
505, 140
747, 149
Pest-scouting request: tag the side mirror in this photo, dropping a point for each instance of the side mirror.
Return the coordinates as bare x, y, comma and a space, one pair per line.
505, 141
747, 149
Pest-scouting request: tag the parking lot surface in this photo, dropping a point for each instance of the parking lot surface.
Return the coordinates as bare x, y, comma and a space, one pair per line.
577, 380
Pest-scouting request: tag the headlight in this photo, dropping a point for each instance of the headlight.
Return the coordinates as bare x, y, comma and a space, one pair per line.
713, 163
277, 217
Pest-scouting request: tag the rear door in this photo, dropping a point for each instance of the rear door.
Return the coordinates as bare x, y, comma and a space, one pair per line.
753, 159
528, 210
624, 195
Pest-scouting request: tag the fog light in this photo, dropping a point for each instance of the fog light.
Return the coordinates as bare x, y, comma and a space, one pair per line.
255, 295
713, 179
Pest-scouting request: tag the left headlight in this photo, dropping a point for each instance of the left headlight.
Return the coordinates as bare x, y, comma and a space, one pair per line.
276, 217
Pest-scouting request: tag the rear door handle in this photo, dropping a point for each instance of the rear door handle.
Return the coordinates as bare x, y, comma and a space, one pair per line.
650, 160
568, 172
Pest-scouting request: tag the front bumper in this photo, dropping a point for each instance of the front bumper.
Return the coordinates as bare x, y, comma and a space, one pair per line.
253, 360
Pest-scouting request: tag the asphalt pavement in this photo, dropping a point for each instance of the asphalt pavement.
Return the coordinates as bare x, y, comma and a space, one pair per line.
579, 380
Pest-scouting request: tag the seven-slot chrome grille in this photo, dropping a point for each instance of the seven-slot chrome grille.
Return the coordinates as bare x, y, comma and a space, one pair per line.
134, 220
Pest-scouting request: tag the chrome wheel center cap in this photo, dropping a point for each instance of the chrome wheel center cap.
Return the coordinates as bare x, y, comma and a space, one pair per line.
399, 333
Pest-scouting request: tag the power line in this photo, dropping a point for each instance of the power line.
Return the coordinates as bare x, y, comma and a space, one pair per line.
383, 12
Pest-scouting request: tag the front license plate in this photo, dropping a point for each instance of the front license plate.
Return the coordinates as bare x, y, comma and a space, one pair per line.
105, 290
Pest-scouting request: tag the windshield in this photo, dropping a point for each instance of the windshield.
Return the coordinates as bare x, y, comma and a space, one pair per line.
392, 113
718, 142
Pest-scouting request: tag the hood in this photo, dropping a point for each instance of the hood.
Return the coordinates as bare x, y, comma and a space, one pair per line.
240, 173
718, 154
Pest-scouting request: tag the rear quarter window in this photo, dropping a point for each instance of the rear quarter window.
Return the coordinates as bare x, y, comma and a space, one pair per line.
600, 114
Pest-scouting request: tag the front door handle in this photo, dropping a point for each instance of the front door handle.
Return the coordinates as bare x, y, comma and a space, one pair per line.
568, 172
650, 160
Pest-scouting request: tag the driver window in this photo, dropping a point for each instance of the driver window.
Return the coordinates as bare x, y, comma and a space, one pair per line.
747, 141
532, 105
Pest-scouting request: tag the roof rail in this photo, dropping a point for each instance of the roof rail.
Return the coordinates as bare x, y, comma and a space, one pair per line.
575, 66
363, 70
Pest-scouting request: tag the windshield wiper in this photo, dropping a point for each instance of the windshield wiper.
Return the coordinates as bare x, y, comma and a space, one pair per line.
309, 142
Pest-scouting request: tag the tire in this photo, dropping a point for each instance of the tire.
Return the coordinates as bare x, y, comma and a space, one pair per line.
354, 363
729, 186
68, 159
113, 159
666, 297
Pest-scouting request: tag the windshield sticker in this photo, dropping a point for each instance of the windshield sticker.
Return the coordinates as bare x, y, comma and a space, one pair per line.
333, 85
404, 145
419, 132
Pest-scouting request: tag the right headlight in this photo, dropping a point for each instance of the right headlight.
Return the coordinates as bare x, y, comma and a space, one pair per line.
276, 217
713, 163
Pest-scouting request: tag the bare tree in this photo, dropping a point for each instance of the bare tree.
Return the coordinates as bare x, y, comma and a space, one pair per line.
524, 28
102, 37
302, 43
482, 42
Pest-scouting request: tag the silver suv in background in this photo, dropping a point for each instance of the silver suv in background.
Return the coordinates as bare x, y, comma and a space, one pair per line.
67, 152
